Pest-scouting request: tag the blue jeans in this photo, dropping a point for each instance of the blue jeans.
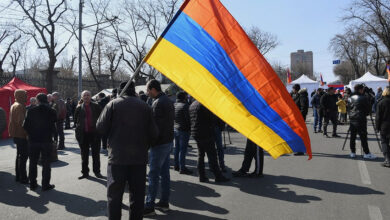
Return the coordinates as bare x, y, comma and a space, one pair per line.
317, 119
218, 143
158, 168
181, 145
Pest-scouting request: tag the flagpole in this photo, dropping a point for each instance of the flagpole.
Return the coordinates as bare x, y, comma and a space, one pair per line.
138, 69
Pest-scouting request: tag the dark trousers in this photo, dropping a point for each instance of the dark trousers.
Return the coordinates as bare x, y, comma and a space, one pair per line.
44, 149
385, 142
117, 177
21, 158
59, 134
90, 140
207, 147
67, 121
253, 151
330, 116
361, 129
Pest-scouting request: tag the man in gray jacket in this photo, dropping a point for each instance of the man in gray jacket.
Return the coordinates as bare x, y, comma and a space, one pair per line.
129, 125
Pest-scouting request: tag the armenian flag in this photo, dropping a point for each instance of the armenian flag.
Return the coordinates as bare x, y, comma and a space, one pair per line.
289, 80
322, 80
388, 72
206, 52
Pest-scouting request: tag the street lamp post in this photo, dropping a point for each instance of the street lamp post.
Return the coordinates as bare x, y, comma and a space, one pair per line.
80, 81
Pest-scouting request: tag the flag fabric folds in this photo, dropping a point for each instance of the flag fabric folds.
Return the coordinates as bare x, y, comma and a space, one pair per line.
207, 53
322, 80
388, 72
289, 80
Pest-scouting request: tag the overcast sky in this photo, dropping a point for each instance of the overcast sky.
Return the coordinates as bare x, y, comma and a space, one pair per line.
298, 24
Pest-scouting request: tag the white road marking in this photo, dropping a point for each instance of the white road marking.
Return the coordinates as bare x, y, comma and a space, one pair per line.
364, 172
375, 213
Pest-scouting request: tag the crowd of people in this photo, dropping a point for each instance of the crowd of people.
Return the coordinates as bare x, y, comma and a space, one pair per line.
145, 128
332, 106
137, 129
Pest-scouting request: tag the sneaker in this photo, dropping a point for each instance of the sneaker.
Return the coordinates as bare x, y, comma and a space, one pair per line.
386, 164
352, 155
186, 171
149, 211
240, 173
162, 206
369, 156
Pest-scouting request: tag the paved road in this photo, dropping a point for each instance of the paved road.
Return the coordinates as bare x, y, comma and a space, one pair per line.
330, 186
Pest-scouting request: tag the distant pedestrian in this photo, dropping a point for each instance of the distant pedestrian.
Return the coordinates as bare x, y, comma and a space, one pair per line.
86, 115
60, 107
164, 116
342, 108
39, 124
129, 125
329, 107
378, 98
383, 124
318, 116
33, 103
360, 109
202, 129
69, 110
182, 132
304, 102
251, 151
16, 130
3, 121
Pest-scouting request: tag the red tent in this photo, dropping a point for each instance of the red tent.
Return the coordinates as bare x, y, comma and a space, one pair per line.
7, 96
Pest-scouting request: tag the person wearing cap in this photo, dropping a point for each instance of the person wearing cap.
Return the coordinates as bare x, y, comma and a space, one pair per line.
39, 125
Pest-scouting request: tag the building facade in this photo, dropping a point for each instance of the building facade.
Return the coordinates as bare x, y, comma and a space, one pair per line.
302, 63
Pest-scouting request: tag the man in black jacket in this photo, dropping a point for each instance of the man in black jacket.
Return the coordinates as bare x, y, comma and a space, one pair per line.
315, 102
86, 115
304, 102
164, 116
383, 124
103, 101
182, 132
202, 129
39, 125
296, 96
128, 122
360, 108
329, 108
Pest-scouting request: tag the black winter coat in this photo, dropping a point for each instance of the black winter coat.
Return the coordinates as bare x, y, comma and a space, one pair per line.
129, 125
182, 116
164, 116
79, 119
383, 116
296, 98
304, 102
328, 103
316, 101
360, 108
202, 122
40, 123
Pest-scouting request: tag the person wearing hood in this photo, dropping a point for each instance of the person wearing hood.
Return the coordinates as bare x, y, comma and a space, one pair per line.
304, 102
383, 124
17, 132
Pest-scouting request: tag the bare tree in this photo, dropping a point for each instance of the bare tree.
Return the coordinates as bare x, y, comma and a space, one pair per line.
374, 15
46, 20
8, 45
281, 71
349, 46
345, 71
264, 41
15, 57
114, 57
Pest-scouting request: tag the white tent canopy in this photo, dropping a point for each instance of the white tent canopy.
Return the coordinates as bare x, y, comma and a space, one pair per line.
304, 82
370, 81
